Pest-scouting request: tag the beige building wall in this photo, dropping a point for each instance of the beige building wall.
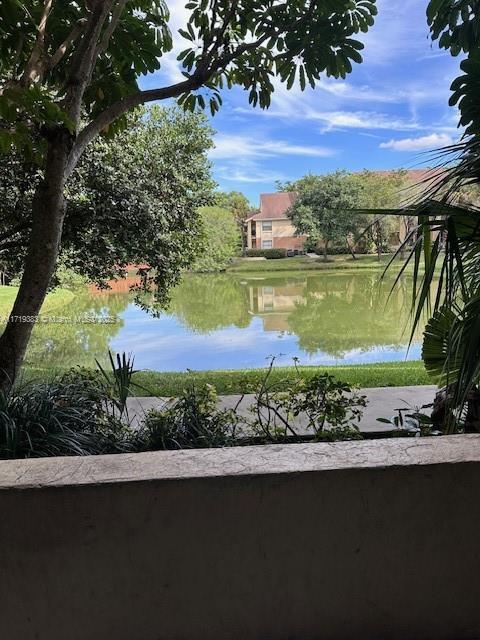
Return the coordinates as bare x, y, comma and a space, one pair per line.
271, 234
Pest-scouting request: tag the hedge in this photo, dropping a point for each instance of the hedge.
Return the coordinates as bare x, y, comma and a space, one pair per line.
270, 254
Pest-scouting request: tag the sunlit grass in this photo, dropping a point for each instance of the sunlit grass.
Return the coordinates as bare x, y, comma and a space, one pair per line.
155, 383
54, 300
303, 263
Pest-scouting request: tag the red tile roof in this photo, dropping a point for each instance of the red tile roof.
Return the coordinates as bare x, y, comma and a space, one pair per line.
274, 206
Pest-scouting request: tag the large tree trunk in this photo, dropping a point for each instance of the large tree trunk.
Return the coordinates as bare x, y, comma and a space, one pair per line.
48, 214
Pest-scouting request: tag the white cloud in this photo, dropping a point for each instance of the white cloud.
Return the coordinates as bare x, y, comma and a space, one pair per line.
361, 120
170, 67
334, 120
424, 143
362, 93
244, 146
253, 175
400, 30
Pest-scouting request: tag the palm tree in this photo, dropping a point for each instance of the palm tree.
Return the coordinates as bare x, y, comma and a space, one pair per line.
445, 242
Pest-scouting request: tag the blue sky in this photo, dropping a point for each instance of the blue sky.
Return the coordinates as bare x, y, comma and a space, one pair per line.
386, 114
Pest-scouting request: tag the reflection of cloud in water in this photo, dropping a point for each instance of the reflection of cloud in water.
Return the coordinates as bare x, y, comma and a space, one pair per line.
220, 321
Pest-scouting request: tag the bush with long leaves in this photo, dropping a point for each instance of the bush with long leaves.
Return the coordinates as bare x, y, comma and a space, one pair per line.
58, 418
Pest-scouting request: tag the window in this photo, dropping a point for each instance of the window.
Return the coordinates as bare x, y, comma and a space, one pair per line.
267, 244
267, 226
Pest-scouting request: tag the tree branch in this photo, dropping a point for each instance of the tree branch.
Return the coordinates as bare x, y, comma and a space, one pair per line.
112, 25
84, 62
117, 109
34, 67
69, 40
14, 230
204, 71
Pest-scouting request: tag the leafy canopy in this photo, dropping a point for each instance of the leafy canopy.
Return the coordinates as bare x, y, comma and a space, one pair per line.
131, 200
44, 46
323, 207
380, 191
221, 239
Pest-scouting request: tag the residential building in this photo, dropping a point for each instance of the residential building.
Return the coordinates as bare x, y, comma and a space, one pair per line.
271, 228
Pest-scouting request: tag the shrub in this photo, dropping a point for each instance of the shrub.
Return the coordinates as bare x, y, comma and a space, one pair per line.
192, 422
58, 418
330, 409
82, 412
269, 254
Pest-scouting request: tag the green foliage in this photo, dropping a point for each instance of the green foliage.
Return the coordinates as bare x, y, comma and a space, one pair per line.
240, 208
235, 202
323, 207
412, 421
269, 254
454, 23
337, 262
322, 401
191, 422
58, 418
377, 192
69, 72
132, 200
221, 239
237, 381
293, 40
241, 44
446, 238
34, 81
119, 378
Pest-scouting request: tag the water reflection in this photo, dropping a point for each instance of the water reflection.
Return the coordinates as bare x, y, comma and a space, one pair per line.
232, 322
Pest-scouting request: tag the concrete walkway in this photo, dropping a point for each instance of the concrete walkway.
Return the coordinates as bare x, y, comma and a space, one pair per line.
382, 403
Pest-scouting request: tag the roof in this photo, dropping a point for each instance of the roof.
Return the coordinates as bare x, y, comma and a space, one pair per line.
428, 176
274, 206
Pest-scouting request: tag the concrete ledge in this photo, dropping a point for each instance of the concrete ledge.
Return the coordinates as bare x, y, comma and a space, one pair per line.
374, 540
239, 461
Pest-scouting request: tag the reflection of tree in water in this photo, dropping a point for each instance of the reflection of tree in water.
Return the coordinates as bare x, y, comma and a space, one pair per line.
345, 312
333, 313
210, 302
71, 344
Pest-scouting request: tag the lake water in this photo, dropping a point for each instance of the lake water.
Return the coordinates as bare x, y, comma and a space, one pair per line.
234, 321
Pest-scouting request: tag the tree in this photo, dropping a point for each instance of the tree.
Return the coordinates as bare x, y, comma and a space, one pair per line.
323, 207
446, 238
238, 204
221, 239
131, 200
379, 191
69, 71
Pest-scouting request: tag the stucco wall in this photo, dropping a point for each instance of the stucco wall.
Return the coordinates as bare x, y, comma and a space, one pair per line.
282, 235
372, 540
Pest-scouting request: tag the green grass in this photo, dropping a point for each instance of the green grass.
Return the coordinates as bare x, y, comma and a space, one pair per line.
153, 383
55, 300
301, 263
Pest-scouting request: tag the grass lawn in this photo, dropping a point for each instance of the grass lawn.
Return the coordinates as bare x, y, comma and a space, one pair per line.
302, 263
156, 383
55, 300
395, 374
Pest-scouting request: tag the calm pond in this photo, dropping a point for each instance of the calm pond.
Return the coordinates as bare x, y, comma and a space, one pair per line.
232, 321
